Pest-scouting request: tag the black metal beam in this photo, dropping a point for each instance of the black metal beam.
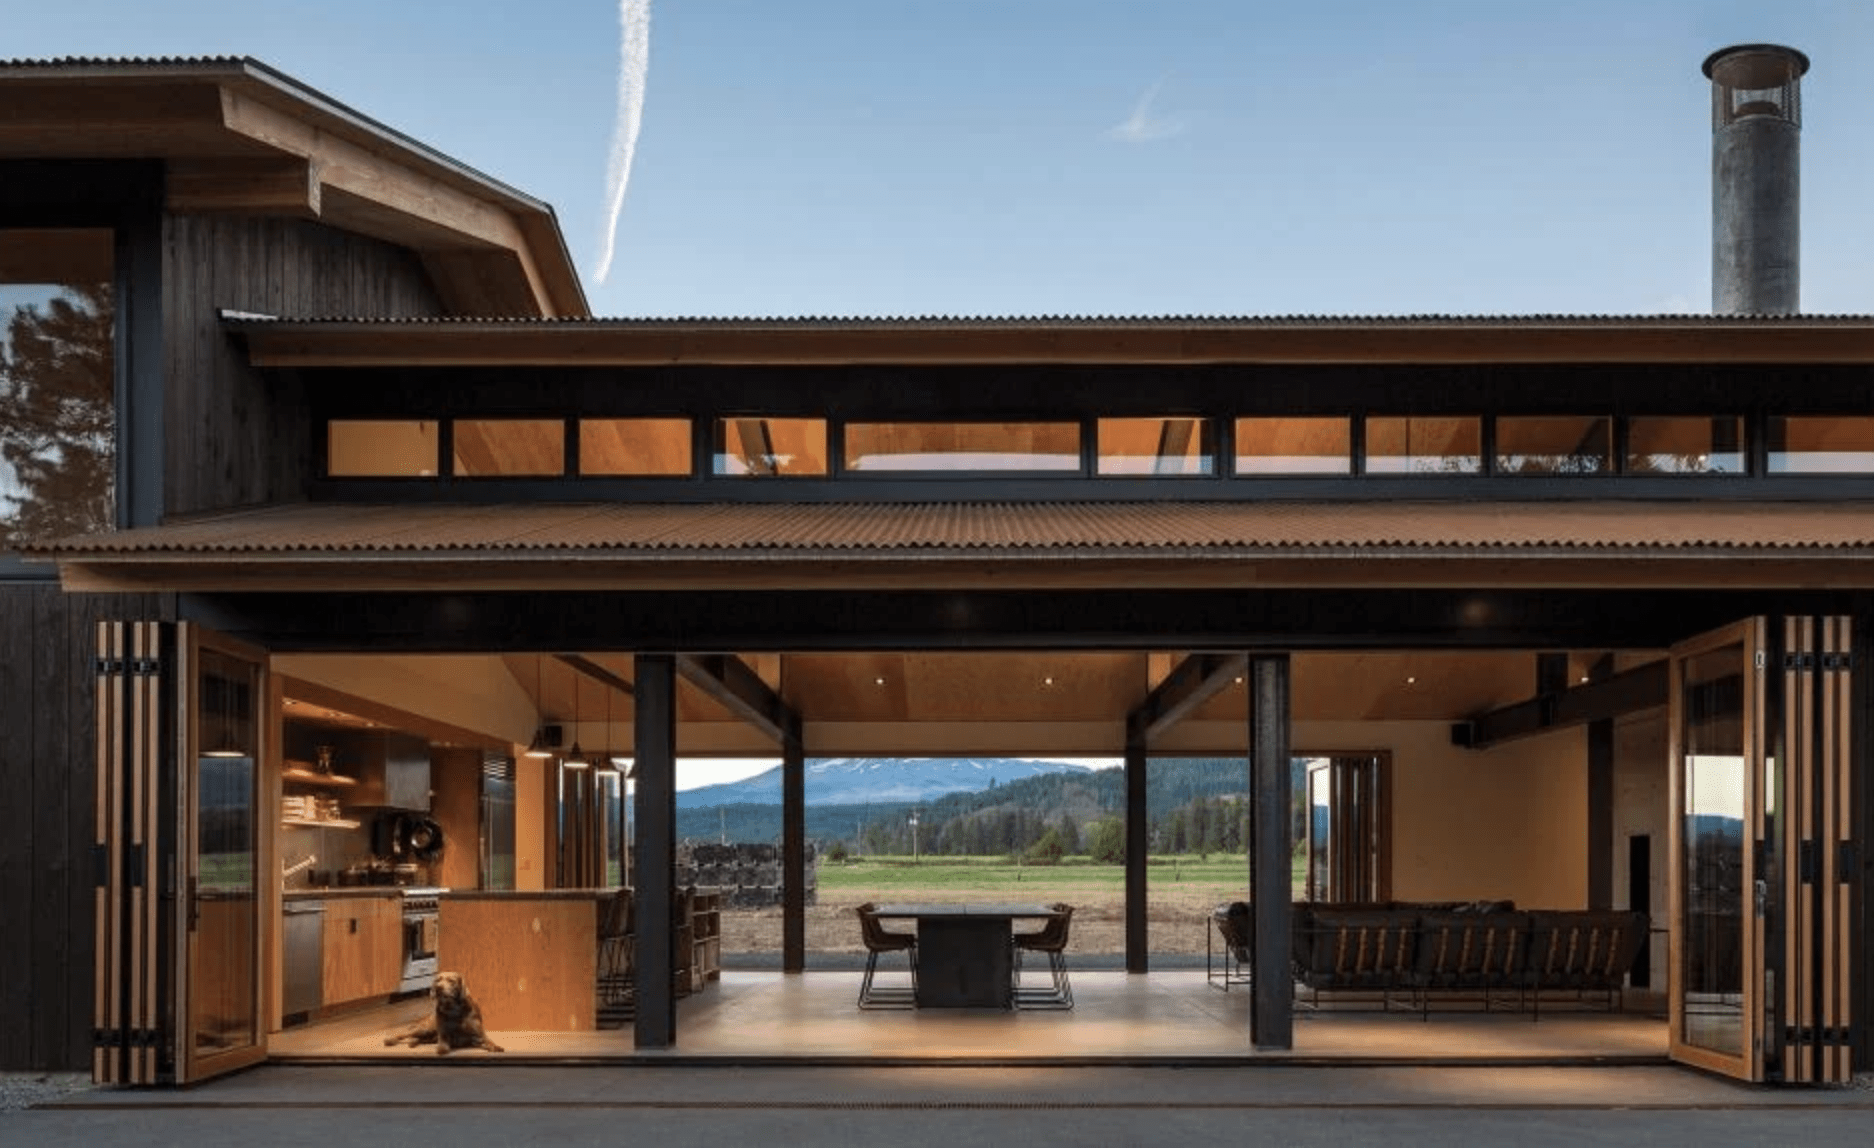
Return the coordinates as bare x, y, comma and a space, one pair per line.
740, 690
1638, 689
793, 848
1271, 853
1190, 684
596, 672
655, 865
1113, 619
1137, 940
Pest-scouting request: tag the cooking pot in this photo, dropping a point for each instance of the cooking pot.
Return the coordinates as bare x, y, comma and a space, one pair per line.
423, 839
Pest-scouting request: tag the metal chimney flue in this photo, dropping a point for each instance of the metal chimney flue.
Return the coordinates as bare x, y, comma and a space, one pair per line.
1756, 130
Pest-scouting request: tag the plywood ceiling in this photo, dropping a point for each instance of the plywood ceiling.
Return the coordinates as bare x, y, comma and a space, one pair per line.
1062, 687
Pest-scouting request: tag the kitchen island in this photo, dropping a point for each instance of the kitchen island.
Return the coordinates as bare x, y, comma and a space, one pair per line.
529, 958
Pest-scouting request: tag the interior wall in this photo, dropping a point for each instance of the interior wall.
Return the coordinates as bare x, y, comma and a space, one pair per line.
531, 867
1642, 800
1505, 822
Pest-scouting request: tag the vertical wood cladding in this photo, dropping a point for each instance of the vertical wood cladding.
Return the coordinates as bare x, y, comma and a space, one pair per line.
48, 775
236, 438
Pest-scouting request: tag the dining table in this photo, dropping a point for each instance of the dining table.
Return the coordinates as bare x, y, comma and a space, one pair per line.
965, 957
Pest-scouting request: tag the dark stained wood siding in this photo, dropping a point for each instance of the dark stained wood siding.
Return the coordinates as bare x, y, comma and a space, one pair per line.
47, 777
236, 439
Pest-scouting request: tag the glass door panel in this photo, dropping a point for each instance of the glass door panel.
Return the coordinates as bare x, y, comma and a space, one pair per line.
1718, 786
222, 860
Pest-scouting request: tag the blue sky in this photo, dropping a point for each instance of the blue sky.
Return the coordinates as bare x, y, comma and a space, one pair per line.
1028, 157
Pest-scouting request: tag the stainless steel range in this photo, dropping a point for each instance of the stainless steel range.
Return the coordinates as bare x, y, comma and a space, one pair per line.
420, 933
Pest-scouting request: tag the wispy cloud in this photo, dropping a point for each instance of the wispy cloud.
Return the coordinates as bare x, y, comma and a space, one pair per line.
634, 18
1144, 125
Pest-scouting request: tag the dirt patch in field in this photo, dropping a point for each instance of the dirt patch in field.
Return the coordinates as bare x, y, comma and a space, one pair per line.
1176, 918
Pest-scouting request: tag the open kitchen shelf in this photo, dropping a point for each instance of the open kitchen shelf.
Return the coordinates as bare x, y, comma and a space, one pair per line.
302, 774
321, 823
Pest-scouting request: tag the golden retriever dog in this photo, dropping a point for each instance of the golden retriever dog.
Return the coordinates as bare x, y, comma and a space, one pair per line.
455, 1023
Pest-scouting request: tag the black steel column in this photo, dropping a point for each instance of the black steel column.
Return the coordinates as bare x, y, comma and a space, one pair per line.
655, 867
1271, 853
793, 849
1601, 801
1136, 845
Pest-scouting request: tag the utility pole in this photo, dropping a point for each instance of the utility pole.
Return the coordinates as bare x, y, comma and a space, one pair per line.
914, 837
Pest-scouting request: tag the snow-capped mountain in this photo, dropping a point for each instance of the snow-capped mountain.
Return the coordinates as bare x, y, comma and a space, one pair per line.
881, 780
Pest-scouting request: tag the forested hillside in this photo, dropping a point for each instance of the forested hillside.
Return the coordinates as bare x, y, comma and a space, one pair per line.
1194, 805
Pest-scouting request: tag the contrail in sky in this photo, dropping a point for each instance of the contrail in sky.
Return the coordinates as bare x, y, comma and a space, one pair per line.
634, 18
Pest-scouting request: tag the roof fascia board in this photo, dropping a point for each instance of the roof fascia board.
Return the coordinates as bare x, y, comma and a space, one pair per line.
760, 343
349, 572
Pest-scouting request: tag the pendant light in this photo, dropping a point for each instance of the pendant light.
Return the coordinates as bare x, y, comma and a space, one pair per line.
576, 759
538, 748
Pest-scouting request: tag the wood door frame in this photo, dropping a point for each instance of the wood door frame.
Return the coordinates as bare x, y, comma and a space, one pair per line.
191, 639
1751, 634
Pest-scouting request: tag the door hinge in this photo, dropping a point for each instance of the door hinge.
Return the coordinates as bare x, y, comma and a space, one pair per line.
1809, 861
1838, 660
1799, 662
110, 667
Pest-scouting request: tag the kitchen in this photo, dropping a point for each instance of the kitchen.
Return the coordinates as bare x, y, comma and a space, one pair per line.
384, 805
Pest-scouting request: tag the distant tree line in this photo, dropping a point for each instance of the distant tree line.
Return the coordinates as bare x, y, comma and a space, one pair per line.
1195, 806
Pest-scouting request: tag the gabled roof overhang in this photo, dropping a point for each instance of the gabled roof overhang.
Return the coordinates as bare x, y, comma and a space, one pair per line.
238, 137
1674, 339
1259, 545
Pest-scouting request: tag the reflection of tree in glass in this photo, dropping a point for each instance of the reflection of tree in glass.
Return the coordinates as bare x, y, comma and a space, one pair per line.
57, 418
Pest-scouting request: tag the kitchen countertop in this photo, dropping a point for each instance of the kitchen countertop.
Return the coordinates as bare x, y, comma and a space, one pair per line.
336, 892
526, 894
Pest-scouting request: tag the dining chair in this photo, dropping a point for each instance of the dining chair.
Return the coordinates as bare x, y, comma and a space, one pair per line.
879, 939
1050, 939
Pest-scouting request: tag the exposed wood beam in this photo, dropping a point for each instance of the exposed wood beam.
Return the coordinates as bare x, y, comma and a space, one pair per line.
596, 672
287, 186
1193, 682
1641, 688
740, 690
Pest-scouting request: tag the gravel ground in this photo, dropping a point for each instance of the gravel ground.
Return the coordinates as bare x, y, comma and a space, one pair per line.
29, 1089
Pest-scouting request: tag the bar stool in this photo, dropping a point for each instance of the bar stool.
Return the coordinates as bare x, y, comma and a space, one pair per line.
1051, 939
617, 958
878, 940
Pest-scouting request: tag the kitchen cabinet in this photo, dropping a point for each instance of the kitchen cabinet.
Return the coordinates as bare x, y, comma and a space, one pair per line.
362, 948
393, 771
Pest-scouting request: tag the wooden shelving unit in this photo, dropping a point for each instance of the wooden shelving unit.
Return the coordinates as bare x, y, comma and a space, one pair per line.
700, 939
302, 775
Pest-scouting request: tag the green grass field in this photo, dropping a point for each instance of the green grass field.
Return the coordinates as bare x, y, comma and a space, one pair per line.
999, 875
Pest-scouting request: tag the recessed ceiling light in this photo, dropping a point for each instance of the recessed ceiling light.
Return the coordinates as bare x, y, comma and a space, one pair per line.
878, 681
1584, 677
1047, 681
1239, 679
1411, 681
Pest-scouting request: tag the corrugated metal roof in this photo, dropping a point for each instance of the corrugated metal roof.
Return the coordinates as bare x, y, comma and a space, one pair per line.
1026, 530
243, 320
